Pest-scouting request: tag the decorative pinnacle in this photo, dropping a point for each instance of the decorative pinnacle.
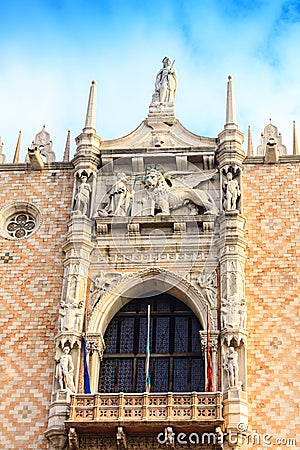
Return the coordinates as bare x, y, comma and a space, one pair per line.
90, 121
17, 151
295, 140
250, 144
230, 105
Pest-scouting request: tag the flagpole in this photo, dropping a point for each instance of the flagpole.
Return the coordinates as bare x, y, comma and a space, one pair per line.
209, 381
147, 365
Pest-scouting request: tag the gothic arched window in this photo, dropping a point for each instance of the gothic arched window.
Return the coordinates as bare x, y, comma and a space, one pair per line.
176, 362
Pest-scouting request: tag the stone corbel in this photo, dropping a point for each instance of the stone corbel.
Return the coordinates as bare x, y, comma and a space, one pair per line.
57, 439
121, 438
73, 439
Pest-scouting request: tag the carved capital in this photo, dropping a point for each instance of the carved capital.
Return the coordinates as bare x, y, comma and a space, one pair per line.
213, 340
95, 343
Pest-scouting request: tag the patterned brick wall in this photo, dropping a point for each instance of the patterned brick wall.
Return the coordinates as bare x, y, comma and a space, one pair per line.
29, 302
29, 306
272, 208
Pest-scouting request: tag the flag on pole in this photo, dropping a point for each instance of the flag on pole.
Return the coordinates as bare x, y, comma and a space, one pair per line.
147, 365
209, 381
86, 377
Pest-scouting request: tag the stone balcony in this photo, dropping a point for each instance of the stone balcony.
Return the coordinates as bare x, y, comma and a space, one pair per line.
145, 413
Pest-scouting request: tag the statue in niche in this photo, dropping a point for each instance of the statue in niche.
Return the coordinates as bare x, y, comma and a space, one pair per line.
243, 314
208, 285
232, 367
167, 193
82, 197
117, 201
165, 83
232, 192
65, 371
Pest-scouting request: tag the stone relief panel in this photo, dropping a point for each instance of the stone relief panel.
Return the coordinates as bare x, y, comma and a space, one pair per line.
159, 193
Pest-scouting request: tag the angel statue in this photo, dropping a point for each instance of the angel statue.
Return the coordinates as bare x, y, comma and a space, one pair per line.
168, 192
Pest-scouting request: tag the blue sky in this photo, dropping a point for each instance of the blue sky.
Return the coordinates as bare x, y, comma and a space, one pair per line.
50, 51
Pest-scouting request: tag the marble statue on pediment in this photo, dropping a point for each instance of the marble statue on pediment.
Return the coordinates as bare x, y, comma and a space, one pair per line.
165, 83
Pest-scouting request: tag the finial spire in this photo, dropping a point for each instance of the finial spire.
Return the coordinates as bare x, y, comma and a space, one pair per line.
250, 144
2, 155
66, 157
17, 151
295, 140
90, 121
230, 106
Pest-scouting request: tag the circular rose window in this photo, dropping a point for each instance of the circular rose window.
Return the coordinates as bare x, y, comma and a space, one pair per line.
19, 220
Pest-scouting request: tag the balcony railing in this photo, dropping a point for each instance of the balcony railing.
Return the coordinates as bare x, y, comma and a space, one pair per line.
169, 408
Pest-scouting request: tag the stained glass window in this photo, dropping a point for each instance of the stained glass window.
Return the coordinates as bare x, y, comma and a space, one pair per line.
176, 362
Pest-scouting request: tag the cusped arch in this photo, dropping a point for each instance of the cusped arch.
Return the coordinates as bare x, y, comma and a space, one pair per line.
143, 284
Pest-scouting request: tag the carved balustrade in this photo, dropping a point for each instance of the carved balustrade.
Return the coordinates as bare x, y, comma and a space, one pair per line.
124, 409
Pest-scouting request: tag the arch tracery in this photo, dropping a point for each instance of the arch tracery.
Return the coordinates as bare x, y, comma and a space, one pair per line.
141, 284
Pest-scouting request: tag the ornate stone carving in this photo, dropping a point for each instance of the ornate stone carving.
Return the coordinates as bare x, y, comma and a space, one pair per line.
121, 438
166, 193
273, 137
214, 335
117, 201
43, 144
208, 285
95, 343
70, 316
83, 193
65, 371
100, 284
73, 439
